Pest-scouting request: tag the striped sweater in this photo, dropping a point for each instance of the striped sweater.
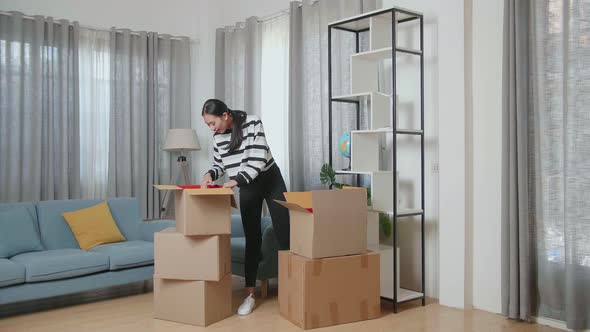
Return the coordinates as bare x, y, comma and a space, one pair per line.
246, 163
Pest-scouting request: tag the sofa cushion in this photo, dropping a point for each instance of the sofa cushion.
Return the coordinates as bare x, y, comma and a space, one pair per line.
60, 263
55, 232
238, 249
126, 212
17, 233
31, 208
127, 254
93, 226
11, 273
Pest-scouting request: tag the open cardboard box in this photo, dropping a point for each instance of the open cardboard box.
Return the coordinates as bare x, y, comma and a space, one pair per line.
329, 291
193, 302
202, 211
328, 223
191, 257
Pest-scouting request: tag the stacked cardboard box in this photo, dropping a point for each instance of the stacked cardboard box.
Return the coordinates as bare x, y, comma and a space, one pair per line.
328, 277
192, 278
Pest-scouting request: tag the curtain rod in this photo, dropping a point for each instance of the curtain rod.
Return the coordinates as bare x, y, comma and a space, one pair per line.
28, 17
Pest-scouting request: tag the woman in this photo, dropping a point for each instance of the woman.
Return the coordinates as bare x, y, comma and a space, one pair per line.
241, 151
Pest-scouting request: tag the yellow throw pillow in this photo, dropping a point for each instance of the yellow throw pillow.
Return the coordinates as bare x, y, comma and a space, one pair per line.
93, 226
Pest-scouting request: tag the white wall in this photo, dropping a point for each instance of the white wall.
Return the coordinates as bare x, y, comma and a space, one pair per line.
487, 142
466, 102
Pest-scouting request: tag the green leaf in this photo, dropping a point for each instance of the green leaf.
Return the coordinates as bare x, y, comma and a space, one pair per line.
327, 174
385, 223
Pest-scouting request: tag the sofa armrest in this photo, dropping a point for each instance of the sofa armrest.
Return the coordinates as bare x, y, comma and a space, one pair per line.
148, 228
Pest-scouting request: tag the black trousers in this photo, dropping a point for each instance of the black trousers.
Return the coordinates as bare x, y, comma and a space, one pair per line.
267, 186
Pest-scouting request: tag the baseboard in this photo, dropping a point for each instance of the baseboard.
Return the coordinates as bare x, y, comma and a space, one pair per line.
558, 324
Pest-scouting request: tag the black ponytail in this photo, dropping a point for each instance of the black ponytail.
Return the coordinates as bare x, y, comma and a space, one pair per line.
216, 107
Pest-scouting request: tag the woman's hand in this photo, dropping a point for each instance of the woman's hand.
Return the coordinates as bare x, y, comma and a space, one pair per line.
206, 181
230, 184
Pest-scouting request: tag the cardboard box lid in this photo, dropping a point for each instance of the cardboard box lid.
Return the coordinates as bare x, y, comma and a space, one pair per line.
209, 191
308, 200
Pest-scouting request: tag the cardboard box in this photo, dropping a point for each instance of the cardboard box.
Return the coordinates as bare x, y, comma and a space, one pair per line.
191, 257
193, 302
329, 291
202, 211
328, 223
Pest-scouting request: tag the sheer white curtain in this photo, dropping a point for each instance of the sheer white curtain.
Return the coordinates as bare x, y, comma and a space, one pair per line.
308, 92
546, 185
274, 94
559, 160
252, 74
95, 98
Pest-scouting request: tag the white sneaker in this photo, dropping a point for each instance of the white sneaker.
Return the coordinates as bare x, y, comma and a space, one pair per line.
247, 306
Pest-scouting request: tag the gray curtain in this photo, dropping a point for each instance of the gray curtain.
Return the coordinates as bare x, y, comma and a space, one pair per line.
516, 286
39, 145
150, 93
238, 65
546, 226
308, 95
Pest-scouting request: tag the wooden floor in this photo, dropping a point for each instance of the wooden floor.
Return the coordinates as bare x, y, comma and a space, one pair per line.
134, 313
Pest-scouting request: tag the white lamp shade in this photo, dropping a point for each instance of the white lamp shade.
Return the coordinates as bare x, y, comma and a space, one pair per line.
181, 140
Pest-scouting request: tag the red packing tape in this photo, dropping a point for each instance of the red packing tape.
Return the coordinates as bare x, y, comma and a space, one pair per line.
197, 186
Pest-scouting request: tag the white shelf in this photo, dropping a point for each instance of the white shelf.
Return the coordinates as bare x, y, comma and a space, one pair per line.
364, 23
400, 212
372, 131
387, 130
357, 97
362, 172
409, 131
373, 55
407, 295
366, 145
382, 53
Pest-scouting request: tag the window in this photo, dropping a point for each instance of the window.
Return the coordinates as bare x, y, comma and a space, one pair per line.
95, 103
275, 89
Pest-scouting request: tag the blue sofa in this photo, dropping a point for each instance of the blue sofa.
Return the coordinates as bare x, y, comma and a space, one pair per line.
59, 267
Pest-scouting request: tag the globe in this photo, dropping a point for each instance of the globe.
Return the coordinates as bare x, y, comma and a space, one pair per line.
344, 145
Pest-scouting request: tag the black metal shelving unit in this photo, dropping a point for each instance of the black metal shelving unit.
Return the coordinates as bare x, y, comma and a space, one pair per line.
357, 25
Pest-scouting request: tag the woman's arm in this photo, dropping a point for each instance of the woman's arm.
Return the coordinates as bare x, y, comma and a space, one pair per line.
256, 157
217, 170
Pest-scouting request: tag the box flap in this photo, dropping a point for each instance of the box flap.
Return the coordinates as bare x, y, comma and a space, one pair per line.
353, 188
168, 230
302, 198
167, 187
294, 207
209, 191
213, 191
